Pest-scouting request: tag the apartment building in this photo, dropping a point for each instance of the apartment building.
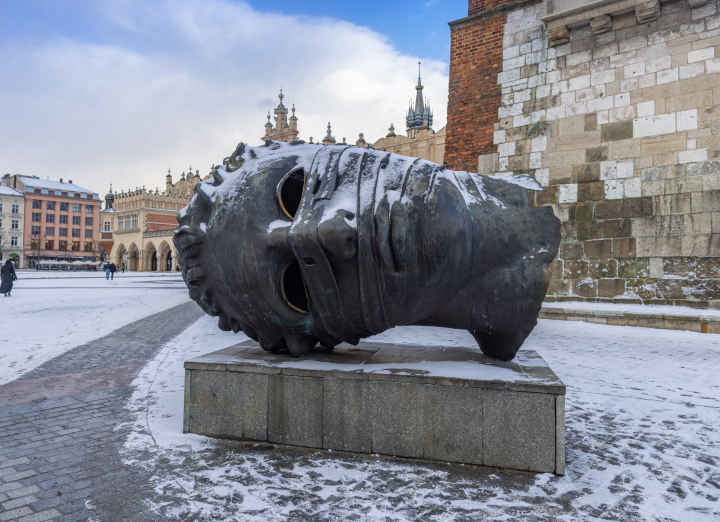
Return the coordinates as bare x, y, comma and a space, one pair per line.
62, 220
12, 211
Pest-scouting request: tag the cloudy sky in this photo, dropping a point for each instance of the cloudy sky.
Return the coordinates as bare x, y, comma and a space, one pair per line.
117, 91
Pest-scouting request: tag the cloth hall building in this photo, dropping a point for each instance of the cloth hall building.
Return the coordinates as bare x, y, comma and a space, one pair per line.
138, 225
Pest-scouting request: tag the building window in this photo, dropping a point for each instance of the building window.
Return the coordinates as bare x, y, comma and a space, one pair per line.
76, 194
36, 216
37, 191
76, 207
63, 219
64, 206
76, 220
49, 218
88, 232
51, 192
89, 196
15, 209
88, 209
37, 203
15, 224
50, 205
13, 241
62, 245
76, 246
49, 231
106, 226
62, 231
75, 232
129, 222
35, 244
88, 221
0, 207
1, 223
88, 246
63, 194
49, 244
35, 230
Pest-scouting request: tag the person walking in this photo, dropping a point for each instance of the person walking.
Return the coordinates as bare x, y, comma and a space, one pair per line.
113, 269
7, 276
107, 271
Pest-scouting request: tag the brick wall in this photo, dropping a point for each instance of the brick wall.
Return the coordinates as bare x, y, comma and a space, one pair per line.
621, 125
477, 7
160, 222
474, 93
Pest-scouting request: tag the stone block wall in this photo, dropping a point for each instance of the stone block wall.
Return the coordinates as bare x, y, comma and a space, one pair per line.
618, 117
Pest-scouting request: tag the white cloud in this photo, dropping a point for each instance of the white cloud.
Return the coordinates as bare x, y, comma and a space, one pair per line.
184, 81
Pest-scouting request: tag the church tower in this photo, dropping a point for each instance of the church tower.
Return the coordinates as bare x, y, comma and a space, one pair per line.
283, 130
419, 116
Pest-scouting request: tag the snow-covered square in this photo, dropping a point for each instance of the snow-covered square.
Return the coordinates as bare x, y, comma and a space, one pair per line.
642, 437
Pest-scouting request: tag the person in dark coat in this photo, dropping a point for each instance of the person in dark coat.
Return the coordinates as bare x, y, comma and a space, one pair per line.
113, 269
7, 275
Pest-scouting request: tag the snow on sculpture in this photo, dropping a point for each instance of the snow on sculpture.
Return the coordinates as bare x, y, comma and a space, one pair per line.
298, 244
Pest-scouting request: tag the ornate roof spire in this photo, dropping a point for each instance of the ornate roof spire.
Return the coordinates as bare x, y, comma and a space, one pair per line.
109, 199
329, 137
420, 114
419, 105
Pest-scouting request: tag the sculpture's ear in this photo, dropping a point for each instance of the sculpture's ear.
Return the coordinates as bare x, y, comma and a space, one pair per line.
525, 181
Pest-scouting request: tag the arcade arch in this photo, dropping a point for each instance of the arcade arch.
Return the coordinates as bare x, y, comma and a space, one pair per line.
165, 257
150, 257
133, 258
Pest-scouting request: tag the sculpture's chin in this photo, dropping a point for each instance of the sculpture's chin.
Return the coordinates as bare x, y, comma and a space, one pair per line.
501, 346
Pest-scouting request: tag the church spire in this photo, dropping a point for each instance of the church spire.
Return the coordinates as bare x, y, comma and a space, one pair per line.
418, 115
419, 105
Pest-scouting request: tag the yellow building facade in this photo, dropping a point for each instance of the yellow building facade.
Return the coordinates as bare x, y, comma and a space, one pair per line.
138, 225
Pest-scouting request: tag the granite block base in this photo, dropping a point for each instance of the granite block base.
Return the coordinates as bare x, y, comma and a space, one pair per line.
430, 402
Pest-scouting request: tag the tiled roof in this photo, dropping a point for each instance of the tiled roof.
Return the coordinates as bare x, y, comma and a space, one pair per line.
54, 185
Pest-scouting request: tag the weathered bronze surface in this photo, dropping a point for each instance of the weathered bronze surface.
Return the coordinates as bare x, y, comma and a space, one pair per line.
299, 245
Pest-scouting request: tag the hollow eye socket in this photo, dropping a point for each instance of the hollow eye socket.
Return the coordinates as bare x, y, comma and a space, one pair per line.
293, 288
291, 191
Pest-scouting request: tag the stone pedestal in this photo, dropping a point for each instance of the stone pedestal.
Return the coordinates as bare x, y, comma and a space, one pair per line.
446, 404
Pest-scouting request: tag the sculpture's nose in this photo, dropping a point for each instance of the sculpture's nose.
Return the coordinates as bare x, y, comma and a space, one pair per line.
338, 237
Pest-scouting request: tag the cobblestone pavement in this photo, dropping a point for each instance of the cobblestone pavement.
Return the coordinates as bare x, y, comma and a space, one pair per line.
58, 428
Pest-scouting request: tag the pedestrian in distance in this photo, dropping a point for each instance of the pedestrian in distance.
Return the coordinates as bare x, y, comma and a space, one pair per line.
107, 271
123, 268
113, 269
7, 276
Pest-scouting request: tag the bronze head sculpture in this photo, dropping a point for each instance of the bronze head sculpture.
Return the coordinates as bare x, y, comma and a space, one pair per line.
298, 245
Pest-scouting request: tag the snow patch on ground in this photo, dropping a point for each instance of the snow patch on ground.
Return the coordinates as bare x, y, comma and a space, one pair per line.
643, 416
52, 312
635, 308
